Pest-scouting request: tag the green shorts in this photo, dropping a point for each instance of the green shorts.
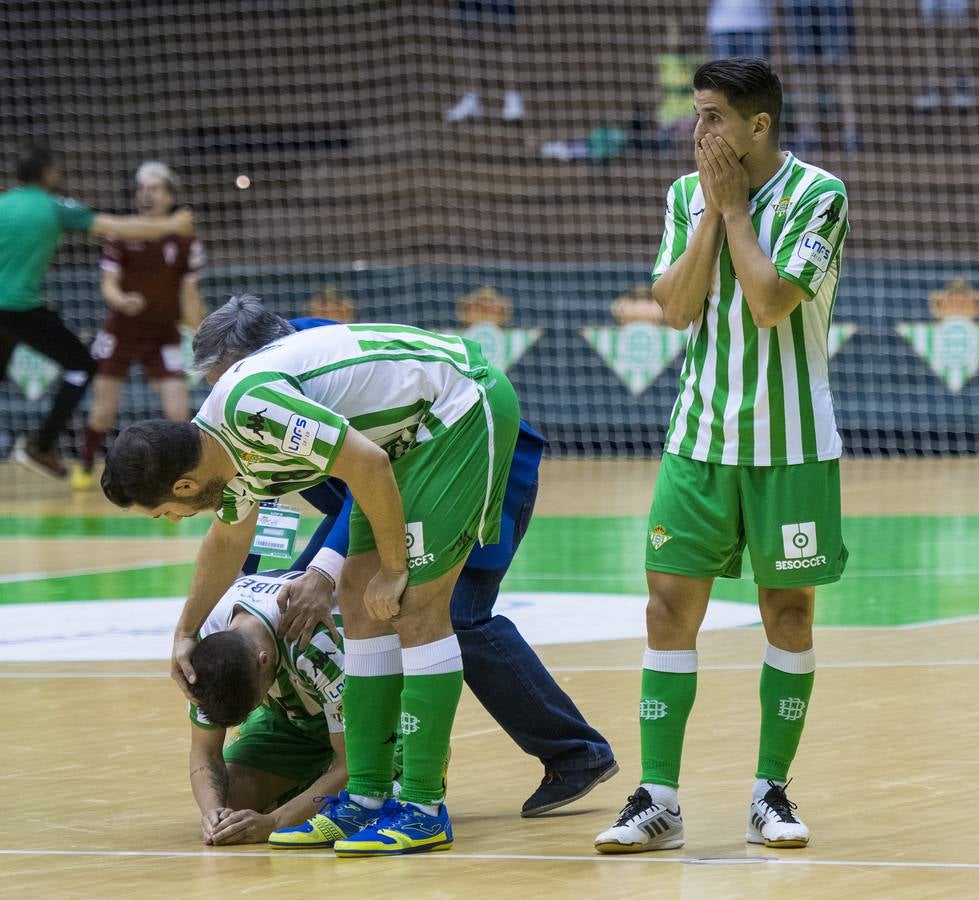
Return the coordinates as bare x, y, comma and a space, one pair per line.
703, 515
270, 742
452, 485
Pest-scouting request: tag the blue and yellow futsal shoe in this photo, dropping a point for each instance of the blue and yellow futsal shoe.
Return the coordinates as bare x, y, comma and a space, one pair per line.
401, 828
337, 818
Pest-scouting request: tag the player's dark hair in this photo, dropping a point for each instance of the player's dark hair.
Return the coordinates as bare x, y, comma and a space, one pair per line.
147, 458
747, 83
35, 157
235, 330
227, 677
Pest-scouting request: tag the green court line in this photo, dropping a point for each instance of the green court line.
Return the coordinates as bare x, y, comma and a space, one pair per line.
901, 570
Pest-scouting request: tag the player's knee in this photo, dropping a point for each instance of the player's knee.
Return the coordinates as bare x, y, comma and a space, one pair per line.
666, 619
790, 627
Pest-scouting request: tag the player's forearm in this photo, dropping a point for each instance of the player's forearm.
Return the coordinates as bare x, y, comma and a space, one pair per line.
192, 310
219, 561
304, 806
111, 288
367, 471
757, 275
683, 288
209, 782
134, 228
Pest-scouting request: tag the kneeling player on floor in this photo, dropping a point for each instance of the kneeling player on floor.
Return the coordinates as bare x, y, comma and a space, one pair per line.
422, 430
289, 750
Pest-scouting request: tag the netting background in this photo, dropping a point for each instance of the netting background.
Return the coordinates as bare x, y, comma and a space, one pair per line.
336, 113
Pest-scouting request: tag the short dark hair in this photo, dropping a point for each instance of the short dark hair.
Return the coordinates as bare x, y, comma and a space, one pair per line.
748, 83
227, 679
35, 157
147, 458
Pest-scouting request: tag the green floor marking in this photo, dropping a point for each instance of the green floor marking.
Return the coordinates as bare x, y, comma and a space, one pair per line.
901, 570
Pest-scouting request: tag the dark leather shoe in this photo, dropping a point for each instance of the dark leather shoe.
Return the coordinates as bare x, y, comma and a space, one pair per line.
560, 788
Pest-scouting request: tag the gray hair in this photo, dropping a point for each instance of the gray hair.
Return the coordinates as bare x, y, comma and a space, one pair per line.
235, 330
154, 169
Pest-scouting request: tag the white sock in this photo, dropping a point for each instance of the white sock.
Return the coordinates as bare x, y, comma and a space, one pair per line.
437, 658
367, 802
431, 809
762, 787
372, 656
663, 795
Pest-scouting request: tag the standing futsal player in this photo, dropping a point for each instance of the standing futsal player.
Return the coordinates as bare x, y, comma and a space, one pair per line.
32, 221
422, 430
750, 262
150, 287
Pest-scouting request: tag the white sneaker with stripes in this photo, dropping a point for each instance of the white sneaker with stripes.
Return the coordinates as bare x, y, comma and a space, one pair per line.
772, 821
642, 825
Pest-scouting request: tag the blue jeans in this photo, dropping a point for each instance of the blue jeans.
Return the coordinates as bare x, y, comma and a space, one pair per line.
509, 679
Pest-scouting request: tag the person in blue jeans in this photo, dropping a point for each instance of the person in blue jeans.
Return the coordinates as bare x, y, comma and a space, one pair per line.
500, 667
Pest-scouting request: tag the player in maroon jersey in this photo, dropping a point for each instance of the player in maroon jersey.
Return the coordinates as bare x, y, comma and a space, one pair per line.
150, 287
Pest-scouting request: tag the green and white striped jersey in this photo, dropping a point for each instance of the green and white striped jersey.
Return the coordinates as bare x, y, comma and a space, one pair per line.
760, 396
308, 683
282, 413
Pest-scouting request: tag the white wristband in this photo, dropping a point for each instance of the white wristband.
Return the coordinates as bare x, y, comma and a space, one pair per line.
329, 562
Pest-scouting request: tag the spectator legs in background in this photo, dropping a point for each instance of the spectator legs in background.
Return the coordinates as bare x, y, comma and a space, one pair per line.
485, 59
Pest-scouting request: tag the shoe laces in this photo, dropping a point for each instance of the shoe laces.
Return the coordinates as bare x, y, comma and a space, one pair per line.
551, 776
393, 813
635, 804
779, 802
328, 804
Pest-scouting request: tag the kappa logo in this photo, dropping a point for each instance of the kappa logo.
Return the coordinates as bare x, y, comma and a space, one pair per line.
415, 545
256, 422
299, 436
791, 708
832, 212
800, 547
658, 537
651, 710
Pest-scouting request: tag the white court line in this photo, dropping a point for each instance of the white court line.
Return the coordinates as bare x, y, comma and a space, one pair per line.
730, 667
513, 857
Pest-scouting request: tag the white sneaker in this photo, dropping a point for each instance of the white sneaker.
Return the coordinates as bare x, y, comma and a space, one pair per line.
642, 825
468, 107
772, 822
513, 109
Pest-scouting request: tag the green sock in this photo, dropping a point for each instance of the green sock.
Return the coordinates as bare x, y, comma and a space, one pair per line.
371, 704
785, 689
669, 686
432, 688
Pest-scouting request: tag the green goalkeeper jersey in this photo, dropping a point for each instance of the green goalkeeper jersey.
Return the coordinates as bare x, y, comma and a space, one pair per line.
760, 396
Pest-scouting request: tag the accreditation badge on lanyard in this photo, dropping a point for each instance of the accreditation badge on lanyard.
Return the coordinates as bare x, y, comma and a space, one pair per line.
275, 533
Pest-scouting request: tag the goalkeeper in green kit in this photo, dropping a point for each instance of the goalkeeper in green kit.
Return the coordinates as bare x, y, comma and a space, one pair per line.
749, 263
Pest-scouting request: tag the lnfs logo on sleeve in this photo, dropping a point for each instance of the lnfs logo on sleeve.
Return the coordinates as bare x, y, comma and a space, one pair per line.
299, 436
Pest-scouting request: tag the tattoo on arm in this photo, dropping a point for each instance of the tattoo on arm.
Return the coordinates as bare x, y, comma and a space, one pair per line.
217, 773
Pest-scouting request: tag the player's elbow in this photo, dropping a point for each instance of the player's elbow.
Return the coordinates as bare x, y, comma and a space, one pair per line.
766, 318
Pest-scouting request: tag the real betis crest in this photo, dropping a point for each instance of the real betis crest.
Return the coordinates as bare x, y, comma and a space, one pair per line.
31, 372
950, 346
639, 348
484, 311
637, 352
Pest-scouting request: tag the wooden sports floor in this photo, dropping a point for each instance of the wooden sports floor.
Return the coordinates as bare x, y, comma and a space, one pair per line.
93, 783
